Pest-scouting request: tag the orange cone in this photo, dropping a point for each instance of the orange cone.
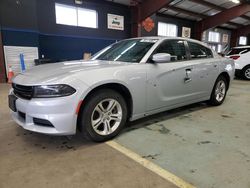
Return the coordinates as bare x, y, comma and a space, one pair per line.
10, 75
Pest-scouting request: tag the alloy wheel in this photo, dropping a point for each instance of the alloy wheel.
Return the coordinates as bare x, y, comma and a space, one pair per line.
106, 117
220, 90
247, 73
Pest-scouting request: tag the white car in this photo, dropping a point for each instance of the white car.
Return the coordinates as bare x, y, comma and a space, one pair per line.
127, 80
241, 56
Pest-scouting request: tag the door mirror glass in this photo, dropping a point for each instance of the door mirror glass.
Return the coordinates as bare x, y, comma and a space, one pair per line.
161, 58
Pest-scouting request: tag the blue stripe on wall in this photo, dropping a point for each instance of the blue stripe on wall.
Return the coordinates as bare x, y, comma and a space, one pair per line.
55, 47
70, 48
20, 38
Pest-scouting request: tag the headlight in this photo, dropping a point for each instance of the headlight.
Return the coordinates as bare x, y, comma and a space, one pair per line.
46, 91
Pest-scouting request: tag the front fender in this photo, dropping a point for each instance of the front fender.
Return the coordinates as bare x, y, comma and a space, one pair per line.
228, 66
133, 79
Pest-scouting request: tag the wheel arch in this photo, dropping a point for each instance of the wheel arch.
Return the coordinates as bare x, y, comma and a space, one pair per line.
246, 66
243, 73
118, 87
226, 76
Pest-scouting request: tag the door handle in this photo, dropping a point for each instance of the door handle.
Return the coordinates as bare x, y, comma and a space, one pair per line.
188, 78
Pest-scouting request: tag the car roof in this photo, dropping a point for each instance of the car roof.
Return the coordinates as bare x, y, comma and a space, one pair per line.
167, 38
163, 38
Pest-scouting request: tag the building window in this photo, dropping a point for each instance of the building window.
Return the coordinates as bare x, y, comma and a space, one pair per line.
69, 15
213, 36
87, 18
243, 40
219, 48
165, 29
66, 15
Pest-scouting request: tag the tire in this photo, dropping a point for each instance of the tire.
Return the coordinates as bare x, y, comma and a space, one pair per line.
221, 86
103, 116
246, 72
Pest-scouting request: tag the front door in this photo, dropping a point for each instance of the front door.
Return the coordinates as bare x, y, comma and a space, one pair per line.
171, 83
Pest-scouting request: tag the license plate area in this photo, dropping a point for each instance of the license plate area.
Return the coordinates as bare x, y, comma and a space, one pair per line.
12, 102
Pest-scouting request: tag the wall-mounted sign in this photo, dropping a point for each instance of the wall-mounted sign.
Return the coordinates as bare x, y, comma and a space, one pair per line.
186, 32
115, 22
225, 38
148, 24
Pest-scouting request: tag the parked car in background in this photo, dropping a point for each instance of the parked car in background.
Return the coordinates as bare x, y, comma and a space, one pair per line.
127, 80
241, 57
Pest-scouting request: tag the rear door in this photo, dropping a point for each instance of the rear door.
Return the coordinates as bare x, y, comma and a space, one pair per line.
207, 68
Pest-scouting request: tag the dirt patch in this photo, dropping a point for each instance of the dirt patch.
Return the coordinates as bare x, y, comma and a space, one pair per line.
226, 116
189, 117
205, 142
150, 156
192, 171
208, 131
159, 128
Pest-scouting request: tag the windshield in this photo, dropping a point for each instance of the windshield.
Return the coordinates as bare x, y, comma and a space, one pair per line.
128, 50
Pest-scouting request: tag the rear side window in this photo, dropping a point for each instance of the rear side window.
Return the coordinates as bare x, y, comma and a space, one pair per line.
245, 51
238, 51
175, 48
198, 51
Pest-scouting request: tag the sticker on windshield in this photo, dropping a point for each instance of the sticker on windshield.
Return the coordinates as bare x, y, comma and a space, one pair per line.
149, 40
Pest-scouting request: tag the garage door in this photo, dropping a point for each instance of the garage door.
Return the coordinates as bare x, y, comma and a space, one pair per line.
12, 57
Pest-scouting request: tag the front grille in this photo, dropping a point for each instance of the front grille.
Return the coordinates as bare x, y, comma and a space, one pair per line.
21, 91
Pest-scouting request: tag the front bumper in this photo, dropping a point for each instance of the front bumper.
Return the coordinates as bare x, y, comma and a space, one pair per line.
60, 112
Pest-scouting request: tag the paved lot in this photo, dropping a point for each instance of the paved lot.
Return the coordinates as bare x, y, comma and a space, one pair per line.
206, 146
34, 160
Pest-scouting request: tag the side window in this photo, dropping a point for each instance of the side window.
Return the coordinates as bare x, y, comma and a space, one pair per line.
245, 51
238, 51
198, 51
175, 48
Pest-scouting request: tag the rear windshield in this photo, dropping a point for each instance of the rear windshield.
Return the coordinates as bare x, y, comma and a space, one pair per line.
238, 51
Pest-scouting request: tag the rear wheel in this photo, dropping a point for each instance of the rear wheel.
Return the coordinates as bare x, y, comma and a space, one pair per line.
246, 73
103, 116
219, 92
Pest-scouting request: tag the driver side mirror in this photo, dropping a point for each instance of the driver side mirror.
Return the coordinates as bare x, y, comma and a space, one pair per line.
161, 58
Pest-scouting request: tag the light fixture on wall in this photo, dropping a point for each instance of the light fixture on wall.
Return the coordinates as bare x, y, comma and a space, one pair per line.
235, 1
78, 2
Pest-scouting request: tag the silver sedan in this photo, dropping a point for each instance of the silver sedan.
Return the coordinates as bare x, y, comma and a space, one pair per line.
125, 81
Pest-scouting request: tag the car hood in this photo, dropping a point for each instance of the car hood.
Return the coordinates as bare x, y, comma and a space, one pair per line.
61, 72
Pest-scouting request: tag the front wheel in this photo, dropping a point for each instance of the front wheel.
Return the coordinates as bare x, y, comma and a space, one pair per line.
103, 116
219, 92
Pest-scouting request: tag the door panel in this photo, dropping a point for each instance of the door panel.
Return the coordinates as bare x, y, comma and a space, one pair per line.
206, 65
207, 72
189, 77
170, 84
